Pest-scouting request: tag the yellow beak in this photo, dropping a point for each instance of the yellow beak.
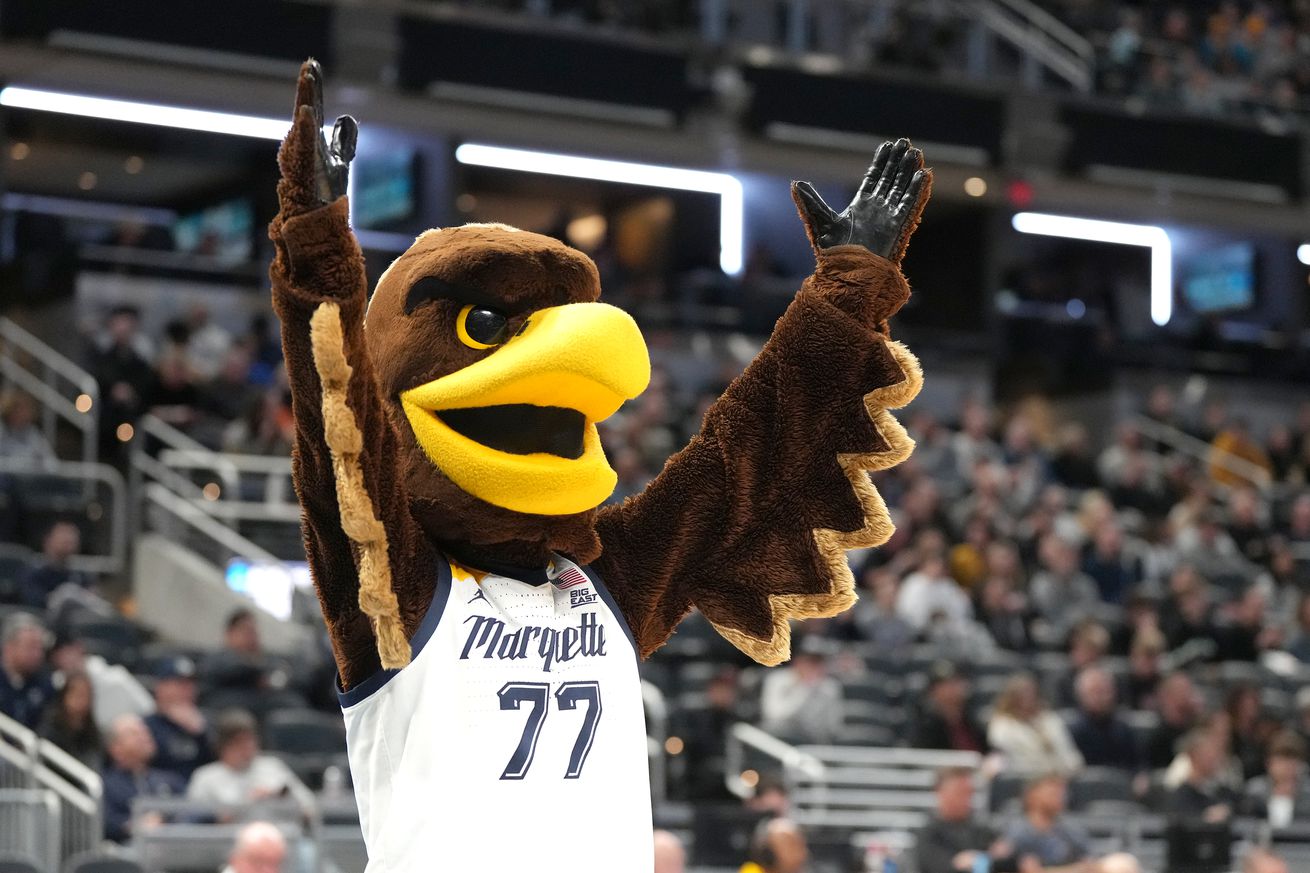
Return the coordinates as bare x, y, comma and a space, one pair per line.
587, 357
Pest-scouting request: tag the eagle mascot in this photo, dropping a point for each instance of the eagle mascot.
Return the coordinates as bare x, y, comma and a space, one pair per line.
486, 613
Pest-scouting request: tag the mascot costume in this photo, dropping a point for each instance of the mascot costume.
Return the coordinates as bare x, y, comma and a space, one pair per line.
486, 615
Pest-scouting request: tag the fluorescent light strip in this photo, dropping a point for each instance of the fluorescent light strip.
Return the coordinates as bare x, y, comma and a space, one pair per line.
1092, 230
144, 113
726, 186
1303, 253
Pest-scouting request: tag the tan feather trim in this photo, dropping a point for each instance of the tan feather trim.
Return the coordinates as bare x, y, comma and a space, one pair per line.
833, 544
341, 432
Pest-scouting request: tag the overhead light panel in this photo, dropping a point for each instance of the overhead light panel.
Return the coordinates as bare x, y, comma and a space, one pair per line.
1093, 230
144, 113
727, 187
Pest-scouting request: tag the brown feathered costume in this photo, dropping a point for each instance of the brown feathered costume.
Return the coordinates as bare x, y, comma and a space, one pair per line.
748, 524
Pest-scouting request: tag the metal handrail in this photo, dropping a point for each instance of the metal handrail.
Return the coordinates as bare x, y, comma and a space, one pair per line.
742, 736
1073, 68
45, 389
48, 767
190, 513
47, 798
1201, 450
1053, 27
82, 471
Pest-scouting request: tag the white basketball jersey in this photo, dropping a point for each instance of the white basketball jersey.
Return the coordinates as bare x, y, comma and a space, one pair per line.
515, 740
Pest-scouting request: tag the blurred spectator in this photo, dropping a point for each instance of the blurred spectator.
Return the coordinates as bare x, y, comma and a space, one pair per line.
953, 839
706, 731
1282, 796
1300, 643
778, 846
1204, 796
1042, 834
1088, 644
1101, 734
1187, 614
21, 440
207, 344
173, 396
802, 703
129, 776
1060, 592
1179, 706
1073, 464
1248, 530
1246, 727
51, 571
1235, 442
670, 856
242, 775
264, 428
1209, 549
259, 848
25, 686
945, 722
178, 726
1248, 631
69, 721
123, 373
1109, 566
929, 596
1144, 668
1263, 861
1031, 737
875, 619
240, 663
115, 691
769, 797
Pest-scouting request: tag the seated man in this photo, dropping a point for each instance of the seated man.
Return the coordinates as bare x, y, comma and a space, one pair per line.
178, 725
1283, 795
129, 775
260, 848
51, 571
1203, 796
241, 775
952, 840
25, 681
1056, 845
1103, 737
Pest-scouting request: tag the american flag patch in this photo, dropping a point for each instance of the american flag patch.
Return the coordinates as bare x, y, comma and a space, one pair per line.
570, 577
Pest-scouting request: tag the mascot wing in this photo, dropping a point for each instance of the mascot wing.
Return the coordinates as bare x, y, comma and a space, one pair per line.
750, 522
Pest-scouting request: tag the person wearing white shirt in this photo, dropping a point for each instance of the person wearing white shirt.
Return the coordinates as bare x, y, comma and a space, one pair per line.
930, 592
1033, 739
242, 775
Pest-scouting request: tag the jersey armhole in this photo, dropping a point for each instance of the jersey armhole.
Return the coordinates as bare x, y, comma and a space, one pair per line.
613, 607
428, 626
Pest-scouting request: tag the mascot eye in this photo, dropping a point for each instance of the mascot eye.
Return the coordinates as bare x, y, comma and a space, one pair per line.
481, 328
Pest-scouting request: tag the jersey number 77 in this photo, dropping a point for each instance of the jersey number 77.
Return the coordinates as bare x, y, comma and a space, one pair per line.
537, 694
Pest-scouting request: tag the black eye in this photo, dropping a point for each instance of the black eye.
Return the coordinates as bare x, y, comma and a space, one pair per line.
481, 328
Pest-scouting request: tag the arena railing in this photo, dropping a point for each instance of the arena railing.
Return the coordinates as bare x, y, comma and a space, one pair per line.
109, 508
76, 791
1203, 452
61, 389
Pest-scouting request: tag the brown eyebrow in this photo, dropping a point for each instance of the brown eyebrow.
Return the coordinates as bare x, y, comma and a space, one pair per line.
436, 288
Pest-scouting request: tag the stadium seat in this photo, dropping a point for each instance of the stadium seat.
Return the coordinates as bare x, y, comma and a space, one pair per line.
1005, 788
308, 740
18, 864
1098, 785
98, 862
13, 560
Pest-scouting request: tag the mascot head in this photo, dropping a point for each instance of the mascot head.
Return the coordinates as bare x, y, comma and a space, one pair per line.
497, 361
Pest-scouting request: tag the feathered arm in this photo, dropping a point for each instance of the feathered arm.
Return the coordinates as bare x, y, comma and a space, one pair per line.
363, 547
751, 521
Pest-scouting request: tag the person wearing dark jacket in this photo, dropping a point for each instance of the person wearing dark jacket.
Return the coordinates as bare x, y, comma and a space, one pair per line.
953, 840
177, 725
945, 722
129, 776
25, 683
1101, 735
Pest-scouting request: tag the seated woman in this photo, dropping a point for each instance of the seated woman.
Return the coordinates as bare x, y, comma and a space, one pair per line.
1032, 738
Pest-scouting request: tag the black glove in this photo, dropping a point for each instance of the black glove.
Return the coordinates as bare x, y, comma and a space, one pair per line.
886, 207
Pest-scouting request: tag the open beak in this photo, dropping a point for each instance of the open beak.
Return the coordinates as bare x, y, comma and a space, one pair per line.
518, 427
